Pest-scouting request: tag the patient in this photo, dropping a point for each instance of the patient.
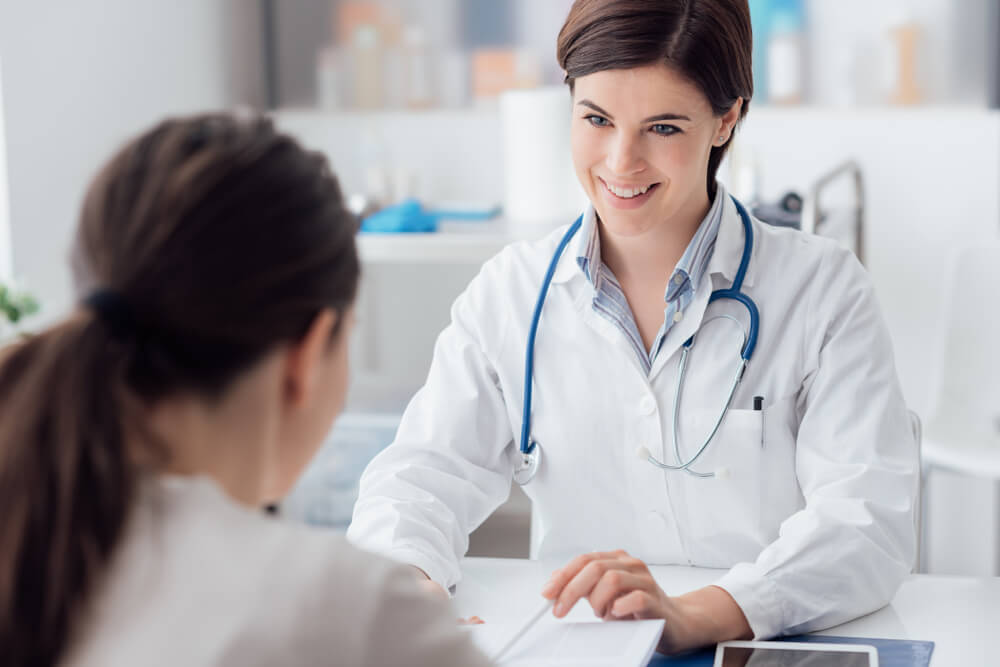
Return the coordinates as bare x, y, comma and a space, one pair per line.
201, 371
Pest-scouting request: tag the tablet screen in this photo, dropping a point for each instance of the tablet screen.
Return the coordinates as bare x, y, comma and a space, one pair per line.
741, 656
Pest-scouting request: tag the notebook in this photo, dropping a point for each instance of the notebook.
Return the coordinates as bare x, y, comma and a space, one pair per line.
553, 642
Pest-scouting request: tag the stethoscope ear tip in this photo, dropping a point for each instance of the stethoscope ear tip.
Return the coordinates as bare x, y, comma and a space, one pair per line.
643, 453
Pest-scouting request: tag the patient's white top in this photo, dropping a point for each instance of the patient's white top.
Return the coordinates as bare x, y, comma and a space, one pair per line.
200, 580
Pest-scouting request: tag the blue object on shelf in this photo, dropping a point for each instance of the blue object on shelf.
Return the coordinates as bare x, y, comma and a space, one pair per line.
891, 652
408, 216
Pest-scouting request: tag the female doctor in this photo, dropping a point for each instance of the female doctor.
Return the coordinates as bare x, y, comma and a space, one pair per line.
777, 445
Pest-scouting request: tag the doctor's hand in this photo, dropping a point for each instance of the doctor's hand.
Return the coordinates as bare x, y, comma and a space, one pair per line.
619, 586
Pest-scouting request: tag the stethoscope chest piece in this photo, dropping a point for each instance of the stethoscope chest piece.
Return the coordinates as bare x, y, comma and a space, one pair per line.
527, 464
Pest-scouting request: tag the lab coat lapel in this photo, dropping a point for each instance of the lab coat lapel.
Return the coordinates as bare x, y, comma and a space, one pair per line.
719, 275
684, 329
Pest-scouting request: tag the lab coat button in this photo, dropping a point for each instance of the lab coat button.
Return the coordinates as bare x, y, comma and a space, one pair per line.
647, 405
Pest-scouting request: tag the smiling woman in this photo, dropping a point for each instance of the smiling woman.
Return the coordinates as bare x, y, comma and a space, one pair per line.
794, 471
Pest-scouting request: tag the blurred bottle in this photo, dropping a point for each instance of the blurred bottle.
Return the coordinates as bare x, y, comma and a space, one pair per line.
497, 70
453, 77
367, 57
786, 53
419, 89
329, 79
905, 38
760, 20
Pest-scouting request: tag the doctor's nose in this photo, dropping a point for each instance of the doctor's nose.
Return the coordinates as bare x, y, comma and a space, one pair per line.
624, 156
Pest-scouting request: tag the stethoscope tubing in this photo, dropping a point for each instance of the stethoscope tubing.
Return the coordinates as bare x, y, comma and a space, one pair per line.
528, 446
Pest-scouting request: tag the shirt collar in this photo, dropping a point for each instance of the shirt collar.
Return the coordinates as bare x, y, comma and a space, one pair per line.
687, 274
691, 268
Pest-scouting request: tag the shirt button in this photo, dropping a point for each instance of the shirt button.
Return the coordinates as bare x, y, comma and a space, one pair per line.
678, 279
678, 316
647, 405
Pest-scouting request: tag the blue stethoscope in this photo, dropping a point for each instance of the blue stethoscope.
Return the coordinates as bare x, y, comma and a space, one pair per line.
530, 451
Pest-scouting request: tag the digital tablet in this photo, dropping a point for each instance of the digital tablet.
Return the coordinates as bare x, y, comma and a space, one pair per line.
794, 654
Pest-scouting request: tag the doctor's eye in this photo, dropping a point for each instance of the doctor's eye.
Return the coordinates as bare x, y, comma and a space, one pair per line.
665, 130
597, 121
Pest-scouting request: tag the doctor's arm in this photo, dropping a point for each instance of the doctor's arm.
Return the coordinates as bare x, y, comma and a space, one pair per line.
841, 556
450, 465
847, 551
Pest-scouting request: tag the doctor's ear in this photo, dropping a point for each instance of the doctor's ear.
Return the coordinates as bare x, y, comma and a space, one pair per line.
304, 358
727, 122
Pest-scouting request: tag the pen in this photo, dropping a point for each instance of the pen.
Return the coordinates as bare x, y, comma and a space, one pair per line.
758, 406
523, 628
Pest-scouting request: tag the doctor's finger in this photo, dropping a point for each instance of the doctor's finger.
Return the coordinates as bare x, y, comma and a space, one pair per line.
583, 583
616, 584
637, 604
564, 575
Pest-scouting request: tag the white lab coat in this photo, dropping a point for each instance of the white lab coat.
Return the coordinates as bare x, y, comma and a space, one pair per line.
816, 519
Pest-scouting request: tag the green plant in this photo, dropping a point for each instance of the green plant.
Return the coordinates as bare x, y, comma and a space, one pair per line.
15, 305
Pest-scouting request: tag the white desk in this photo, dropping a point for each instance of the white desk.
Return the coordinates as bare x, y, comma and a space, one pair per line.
958, 614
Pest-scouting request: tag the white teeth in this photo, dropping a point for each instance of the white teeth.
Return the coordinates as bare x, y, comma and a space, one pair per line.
627, 193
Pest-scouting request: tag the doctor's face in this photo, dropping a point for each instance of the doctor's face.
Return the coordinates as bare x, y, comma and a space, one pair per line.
641, 140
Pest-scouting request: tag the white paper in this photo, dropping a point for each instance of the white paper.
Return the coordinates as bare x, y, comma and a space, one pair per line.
588, 644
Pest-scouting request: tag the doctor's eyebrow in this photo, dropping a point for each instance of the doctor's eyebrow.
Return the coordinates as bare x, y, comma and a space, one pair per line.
651, 119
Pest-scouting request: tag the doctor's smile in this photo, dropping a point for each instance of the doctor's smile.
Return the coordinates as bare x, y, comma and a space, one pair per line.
625, 196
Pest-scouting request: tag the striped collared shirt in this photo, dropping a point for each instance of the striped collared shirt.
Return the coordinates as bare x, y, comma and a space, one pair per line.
609, 300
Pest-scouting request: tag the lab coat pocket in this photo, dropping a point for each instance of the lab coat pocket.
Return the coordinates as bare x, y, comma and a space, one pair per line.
725, 511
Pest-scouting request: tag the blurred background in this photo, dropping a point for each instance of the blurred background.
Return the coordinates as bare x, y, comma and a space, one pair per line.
872, 122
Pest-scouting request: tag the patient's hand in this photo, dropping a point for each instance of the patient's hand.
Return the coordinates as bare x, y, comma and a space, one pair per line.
434, 589
428, 585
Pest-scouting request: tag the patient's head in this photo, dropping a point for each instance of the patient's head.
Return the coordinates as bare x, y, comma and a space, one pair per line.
217, 269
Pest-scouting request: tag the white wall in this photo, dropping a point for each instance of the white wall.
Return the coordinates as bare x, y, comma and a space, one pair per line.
5, 249
80, 77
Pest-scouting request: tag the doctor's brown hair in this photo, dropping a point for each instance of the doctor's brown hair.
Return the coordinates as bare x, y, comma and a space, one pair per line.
707, 41
205, 243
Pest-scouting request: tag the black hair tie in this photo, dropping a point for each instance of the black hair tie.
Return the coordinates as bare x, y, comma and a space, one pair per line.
114, 311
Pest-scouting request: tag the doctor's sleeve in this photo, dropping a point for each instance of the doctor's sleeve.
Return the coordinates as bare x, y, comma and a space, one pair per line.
451, 463
847, 551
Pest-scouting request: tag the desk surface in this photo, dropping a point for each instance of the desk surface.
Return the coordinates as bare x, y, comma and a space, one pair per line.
959, 614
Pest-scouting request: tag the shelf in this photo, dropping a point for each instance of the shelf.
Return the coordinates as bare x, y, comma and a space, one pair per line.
472, 243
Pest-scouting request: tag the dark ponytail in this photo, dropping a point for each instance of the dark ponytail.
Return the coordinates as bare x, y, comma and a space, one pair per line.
202, 245
65, 482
